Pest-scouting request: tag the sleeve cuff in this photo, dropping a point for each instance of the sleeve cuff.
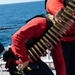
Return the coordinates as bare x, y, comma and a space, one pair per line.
25, 58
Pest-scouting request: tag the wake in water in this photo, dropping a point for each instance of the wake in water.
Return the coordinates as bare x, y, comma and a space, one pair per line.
4, 28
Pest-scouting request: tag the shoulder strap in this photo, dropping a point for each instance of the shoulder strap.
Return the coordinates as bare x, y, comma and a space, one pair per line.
33, 41
45, 3
49, 23
40, 15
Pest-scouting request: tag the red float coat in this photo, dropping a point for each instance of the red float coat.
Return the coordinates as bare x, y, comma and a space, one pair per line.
33, 29
53, 6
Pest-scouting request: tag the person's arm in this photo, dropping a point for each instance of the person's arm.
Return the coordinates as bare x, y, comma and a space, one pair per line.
18, 46
58, 60
32, 29
53, 6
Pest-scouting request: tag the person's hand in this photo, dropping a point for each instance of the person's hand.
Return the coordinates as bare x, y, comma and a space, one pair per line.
25, 64
68, 22
22, 65
57, 15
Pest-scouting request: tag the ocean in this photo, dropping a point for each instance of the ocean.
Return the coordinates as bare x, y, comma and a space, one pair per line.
13, 16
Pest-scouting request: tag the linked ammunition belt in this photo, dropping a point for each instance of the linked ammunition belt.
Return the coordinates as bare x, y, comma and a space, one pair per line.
54, 34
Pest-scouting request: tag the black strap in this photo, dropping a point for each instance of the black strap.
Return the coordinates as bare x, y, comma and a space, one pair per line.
66, 2
49, 22
41, 15
69, 34
33, 41
45, 3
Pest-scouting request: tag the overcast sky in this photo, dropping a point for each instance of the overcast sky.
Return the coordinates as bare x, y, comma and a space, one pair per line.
15, 1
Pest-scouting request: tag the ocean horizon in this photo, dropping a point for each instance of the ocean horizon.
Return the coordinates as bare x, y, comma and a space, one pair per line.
19, 1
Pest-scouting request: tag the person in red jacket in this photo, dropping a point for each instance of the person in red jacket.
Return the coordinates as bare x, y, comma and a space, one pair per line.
68, 41
33, 29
